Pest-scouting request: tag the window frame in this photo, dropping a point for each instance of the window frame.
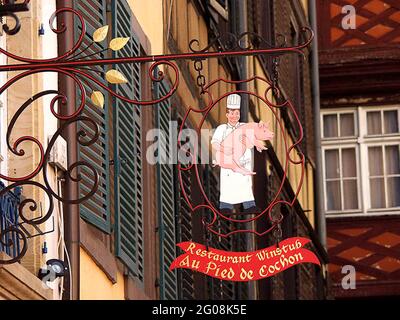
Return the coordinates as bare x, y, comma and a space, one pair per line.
339, 112
358, 179
362, 141
381, 110
385, 175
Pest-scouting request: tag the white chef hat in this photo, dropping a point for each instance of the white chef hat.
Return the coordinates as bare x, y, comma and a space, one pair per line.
233, 101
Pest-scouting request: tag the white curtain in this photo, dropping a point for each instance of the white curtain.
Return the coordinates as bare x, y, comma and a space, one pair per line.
349, 173
375, 161
332, 175
333, 195
391, 120
374, 123
392, 160
377, 182
393, 172
330, 126
377, 175
347, 125
332, 164
343, 186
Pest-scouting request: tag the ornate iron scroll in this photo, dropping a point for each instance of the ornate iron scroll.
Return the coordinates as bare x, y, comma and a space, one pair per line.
8, 8
79, 66
270, 211
16, 232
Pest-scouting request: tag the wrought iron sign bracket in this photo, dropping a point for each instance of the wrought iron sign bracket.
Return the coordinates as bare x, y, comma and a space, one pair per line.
8, 8
79, 66
13, 8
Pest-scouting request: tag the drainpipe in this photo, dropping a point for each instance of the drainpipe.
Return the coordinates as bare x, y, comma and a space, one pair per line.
71, 191
319, 207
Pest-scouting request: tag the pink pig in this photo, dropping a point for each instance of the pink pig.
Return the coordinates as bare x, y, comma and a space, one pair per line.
233, 147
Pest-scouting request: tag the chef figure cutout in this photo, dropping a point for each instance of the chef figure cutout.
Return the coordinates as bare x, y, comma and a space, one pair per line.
233, 143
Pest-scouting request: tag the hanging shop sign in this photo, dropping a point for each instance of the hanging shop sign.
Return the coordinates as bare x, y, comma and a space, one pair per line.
232, 142
244, 266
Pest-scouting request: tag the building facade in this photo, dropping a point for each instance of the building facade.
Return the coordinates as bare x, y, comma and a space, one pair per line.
20, 281
122, 240
359, 52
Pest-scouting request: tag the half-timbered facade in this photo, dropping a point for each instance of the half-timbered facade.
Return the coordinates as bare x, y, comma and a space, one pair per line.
360, 80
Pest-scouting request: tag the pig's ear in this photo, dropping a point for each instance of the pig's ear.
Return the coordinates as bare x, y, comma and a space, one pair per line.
260, 124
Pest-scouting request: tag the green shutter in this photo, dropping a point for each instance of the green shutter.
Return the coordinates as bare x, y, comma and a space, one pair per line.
166, 200
127, 150
96, 210
184, 230
217, 289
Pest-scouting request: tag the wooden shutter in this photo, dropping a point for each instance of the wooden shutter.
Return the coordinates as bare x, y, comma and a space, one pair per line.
184, 232
217, 289
96, 210
240, 244
166, 200
127, 150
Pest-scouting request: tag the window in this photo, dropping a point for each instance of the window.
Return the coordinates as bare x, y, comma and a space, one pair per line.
361, 159
339, 125
341, 179
384, 176
382, 122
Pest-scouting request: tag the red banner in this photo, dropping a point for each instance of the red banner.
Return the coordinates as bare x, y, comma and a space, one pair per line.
244, 266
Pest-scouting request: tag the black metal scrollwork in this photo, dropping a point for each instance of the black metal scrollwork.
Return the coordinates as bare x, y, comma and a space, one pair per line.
8, 8
14, 234
78, 66
245, 41
228, 42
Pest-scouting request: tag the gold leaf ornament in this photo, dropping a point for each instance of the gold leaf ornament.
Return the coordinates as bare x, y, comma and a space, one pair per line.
115, 77
100, 34
118, 43
98, 99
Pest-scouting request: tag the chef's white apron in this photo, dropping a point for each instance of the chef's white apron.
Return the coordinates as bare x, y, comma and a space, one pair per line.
235, 187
